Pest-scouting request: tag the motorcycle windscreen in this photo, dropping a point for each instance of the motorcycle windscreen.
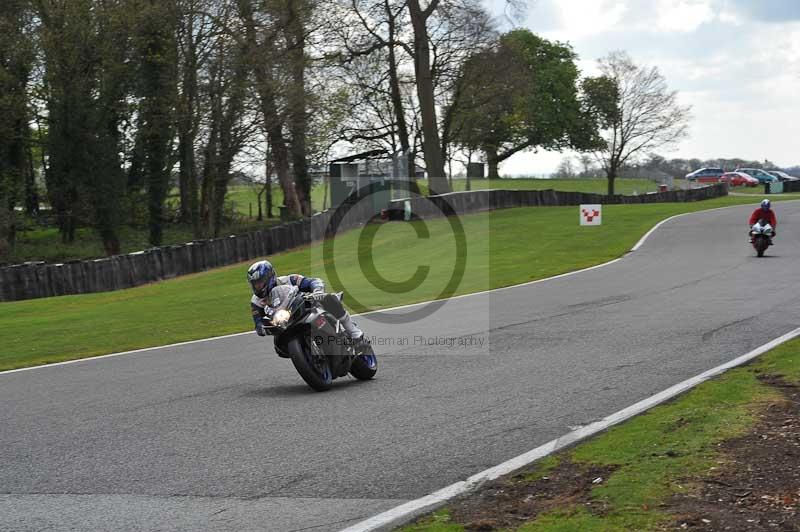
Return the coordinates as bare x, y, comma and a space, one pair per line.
281, 296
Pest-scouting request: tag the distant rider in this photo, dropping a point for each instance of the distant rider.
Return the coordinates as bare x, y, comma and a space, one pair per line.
764, 212
262, 278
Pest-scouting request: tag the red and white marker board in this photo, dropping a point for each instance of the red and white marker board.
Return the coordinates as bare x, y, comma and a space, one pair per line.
591, 214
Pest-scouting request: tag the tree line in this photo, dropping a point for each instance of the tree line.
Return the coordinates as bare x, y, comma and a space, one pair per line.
107, 106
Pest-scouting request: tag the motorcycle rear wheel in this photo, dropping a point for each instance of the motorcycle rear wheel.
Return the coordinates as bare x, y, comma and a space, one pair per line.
311, 363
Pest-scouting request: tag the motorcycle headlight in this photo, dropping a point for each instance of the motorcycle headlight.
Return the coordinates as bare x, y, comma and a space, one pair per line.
281, 317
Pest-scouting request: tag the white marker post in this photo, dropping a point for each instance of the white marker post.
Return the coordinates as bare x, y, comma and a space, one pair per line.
591, 214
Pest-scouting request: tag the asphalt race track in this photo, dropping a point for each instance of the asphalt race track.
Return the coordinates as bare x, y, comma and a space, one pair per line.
223, 435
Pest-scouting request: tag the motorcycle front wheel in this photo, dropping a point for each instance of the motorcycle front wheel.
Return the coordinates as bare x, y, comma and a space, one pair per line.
761, 245
365, 365
311, 363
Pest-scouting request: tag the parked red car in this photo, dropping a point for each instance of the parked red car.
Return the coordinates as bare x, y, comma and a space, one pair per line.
738, 179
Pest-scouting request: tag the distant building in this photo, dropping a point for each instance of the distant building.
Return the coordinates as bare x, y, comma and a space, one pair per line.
376, 173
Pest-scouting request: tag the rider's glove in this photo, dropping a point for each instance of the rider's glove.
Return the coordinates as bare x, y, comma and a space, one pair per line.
260, 330
318, 295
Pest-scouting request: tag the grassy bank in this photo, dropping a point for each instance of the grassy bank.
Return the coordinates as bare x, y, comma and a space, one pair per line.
630, 477
502, 248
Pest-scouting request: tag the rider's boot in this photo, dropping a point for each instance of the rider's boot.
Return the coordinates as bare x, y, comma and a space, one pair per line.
351, 328
334, 305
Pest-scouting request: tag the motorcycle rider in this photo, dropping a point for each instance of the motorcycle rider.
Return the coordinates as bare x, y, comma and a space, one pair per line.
764, 212
262, 278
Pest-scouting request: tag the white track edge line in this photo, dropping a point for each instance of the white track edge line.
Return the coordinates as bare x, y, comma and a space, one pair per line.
143, 349
472, 294
653, 230
411, 509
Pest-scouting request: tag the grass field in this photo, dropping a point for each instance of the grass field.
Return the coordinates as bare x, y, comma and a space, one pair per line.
242, 197
651, 457
504, 247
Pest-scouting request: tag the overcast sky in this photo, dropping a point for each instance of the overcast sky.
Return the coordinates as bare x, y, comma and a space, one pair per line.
737, 62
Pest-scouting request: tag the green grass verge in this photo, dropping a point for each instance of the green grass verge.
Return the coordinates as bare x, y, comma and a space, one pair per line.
504, 247
439, 521
654, 453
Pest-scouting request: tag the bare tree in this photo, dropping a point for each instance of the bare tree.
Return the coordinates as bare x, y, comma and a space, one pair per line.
566, 168
373, 63
648, 115
380, 53
195, 43
296, 25
431, 144
587, 165
264, 50
229, 125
